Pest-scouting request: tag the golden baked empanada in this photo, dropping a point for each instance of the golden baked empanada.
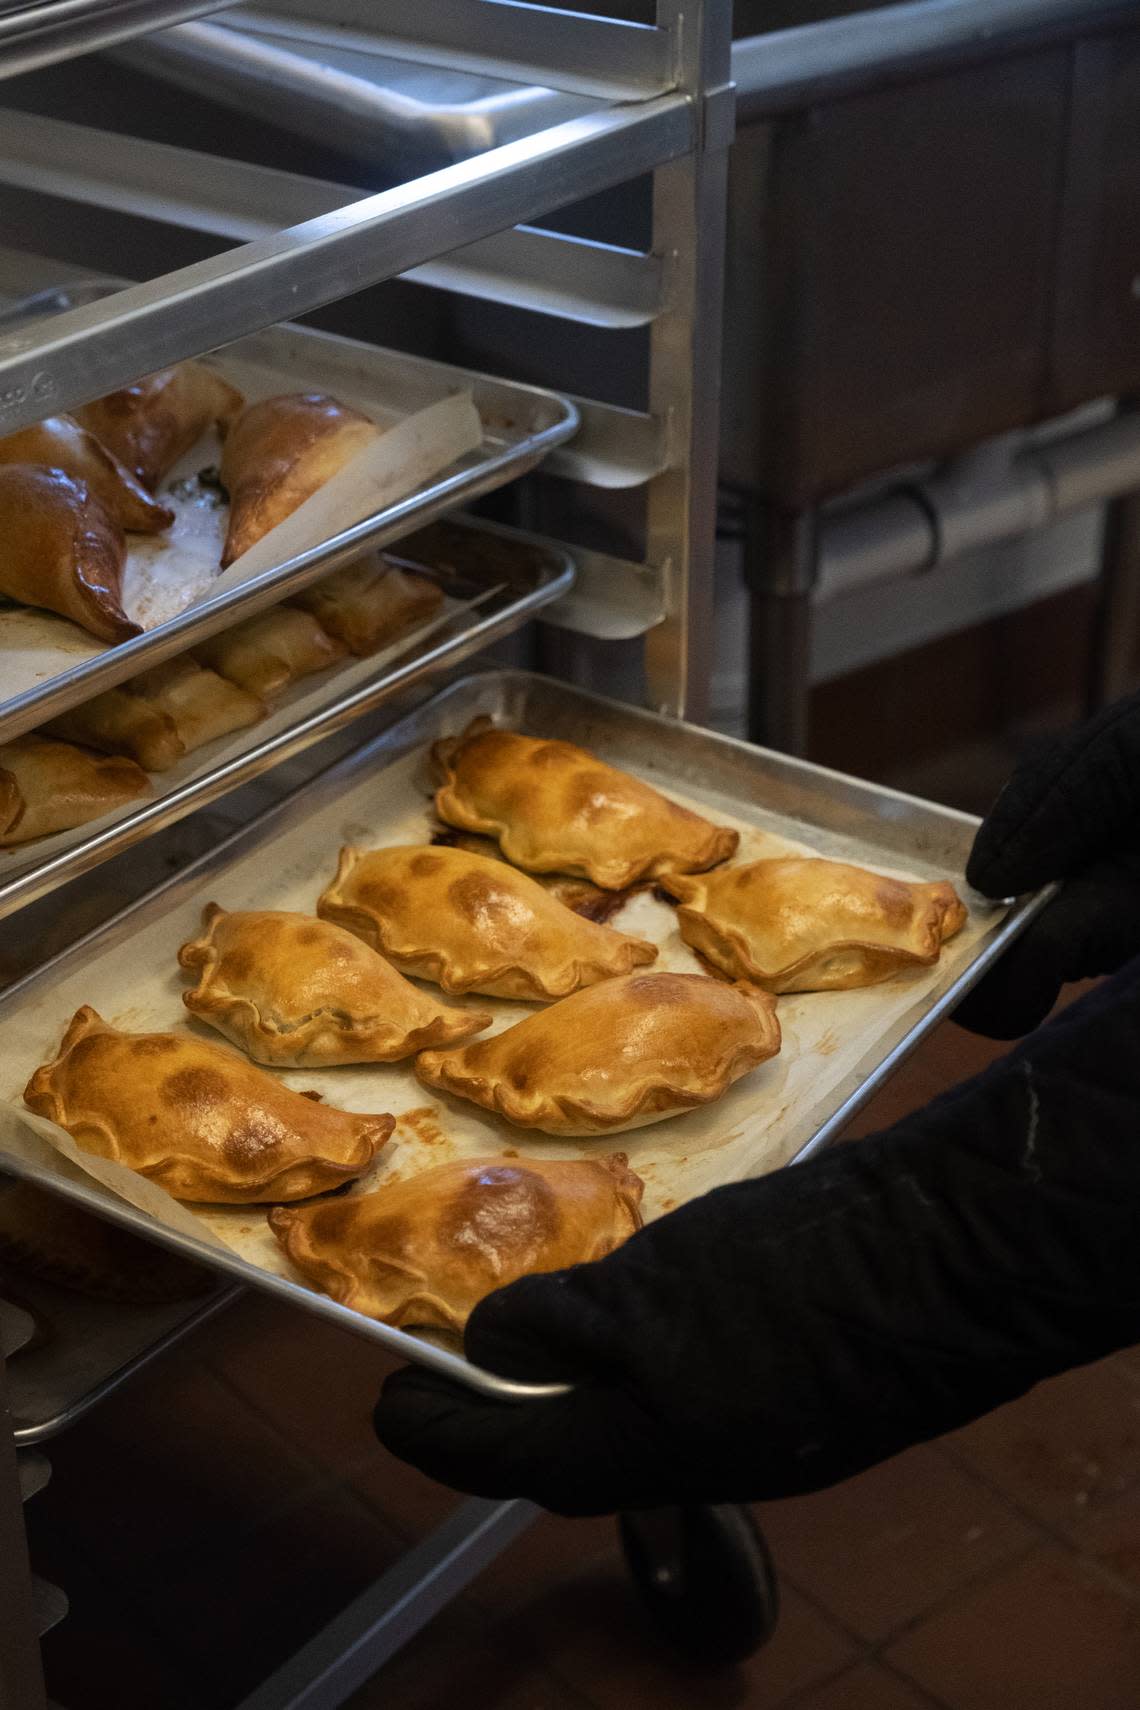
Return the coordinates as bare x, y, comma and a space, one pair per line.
201, 705
48, 786
473, 924
618, 1055
369, 604
426, 1250
303, 994
60, 442
196, 1118
49, 1237
60, 549
809, 925
278, 453
149, 424
555, 808
271, 650
118, 722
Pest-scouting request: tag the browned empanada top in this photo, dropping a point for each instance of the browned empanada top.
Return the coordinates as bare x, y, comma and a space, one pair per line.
473, 924
302, 993
617, 1055
426, 1250
196, 1118
806, 924
557, 808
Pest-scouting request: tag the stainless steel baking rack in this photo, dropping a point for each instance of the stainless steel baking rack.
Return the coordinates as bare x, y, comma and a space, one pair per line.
498, 576
625, 100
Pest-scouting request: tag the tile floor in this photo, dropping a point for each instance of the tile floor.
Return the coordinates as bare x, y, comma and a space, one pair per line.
222, 1506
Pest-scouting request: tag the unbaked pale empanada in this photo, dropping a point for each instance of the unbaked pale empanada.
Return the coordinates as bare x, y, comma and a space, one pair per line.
425, 1251
271, 650
369, 604
201, 705
48, 786
278, 453
60, 549
619, 1055
117, 722
196, 1118
59, 442
473, 924
299, 993
555, 808
809, 925
149, 424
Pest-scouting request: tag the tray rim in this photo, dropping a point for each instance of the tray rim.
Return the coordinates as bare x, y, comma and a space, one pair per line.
154, 813
33, 707
406, 733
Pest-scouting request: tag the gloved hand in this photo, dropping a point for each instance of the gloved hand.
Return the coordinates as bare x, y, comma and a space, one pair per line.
779, 1335
1070, 813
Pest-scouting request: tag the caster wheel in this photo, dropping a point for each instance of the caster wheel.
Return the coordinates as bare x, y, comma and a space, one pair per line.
706, 1578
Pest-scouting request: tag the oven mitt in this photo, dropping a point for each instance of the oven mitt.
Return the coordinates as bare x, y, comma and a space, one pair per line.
1071, 812
779, 1335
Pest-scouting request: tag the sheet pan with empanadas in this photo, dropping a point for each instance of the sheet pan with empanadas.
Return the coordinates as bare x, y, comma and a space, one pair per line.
492, 1146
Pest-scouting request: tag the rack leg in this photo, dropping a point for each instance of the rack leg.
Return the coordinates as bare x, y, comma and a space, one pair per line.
780, 568
354, 1645
21, 1672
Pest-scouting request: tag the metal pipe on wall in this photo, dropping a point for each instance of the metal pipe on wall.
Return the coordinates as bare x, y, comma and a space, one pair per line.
993, 494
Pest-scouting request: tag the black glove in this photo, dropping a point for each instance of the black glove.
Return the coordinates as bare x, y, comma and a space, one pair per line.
779, 1335
1071, 813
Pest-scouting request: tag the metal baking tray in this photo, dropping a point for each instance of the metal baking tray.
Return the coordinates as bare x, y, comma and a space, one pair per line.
778, 799
90, 1347
500, 576
520, 425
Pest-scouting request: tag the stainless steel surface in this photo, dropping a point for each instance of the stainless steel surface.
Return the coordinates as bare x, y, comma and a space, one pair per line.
801, 794
39, 34
550, 273
522, 424
788, 69
609, 57
76, 356
684, 382
348, 1652
411, 117
1001, 489
91, 1347
35, 1473
517, 577
613, 447
17, 1328
613, 599
51, 1604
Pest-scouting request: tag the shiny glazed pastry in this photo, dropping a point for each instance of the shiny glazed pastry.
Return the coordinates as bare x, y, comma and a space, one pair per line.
278, 453
271, 650
301, 993
196, 1118
472, 924
426, 1250
619, 1055
809, 925
369, 604
48, 786
149, 424
60, 549
555, 808
60, 442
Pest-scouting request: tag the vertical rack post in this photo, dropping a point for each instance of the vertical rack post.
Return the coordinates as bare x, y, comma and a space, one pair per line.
685, 361
21, 1675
